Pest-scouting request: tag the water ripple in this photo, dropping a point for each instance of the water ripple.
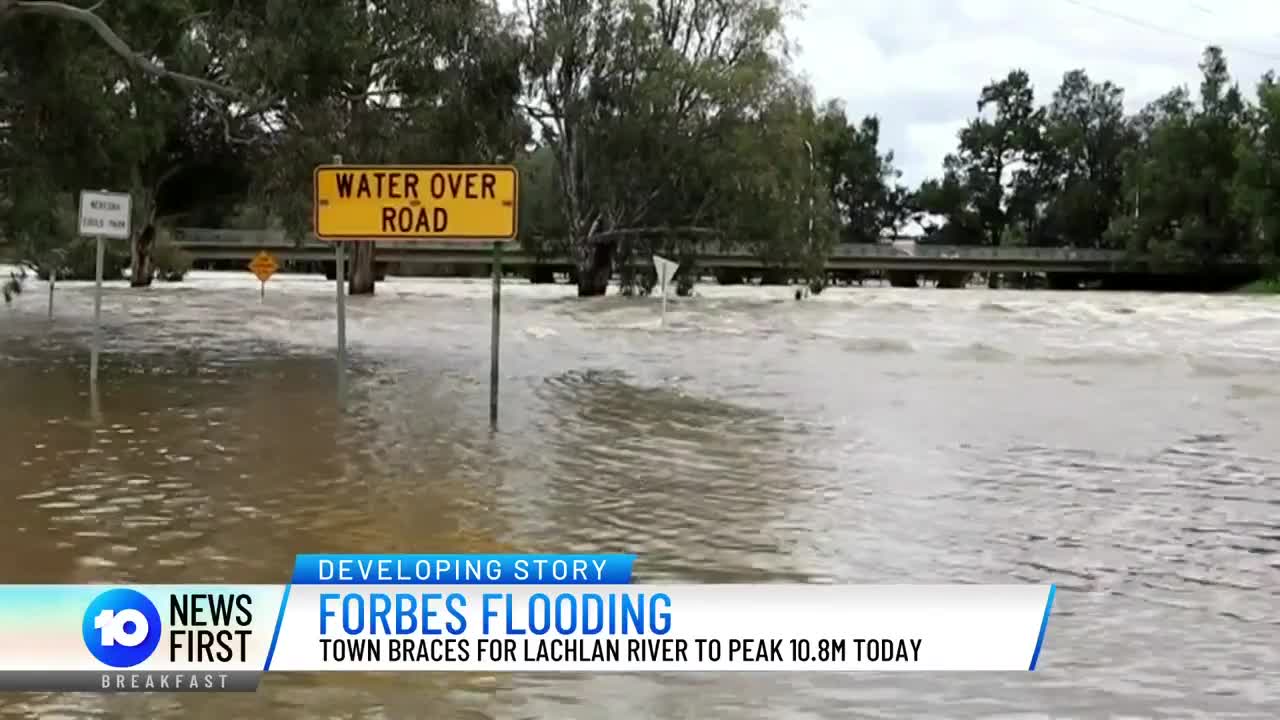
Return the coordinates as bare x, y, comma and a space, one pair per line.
1121, 445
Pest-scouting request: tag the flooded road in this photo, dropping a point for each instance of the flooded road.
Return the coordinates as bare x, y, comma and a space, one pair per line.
1125, 446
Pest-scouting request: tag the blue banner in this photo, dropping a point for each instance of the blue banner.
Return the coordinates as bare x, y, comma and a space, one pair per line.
463, 569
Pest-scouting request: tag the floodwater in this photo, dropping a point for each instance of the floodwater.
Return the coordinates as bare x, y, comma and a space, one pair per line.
1124, 446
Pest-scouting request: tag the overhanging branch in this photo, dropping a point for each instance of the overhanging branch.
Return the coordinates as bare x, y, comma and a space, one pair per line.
87, 16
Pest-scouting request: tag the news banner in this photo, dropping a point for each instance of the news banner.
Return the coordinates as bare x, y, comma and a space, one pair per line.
497, 613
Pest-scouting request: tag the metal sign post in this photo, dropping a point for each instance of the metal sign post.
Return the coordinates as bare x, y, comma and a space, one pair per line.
390, 203
97, 316
340, 274
53, 279
666, 270
102, 215
663, 319
495, 335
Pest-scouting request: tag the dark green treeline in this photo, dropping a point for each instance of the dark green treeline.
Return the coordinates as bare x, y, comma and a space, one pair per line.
638, 125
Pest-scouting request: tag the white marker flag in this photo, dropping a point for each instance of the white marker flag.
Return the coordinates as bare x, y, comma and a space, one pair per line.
666, 269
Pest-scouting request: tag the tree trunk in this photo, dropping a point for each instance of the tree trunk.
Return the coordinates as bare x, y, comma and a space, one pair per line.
147, 199
362, 277
629, 281
595, 267
140, 257
687, 275
817, 284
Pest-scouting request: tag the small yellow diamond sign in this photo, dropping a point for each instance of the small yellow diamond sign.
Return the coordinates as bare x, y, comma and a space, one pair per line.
264, 266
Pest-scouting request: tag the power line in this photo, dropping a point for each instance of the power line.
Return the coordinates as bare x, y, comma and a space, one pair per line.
1170, 31
1201, 7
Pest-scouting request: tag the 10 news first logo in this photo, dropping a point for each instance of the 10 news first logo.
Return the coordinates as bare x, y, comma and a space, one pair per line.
122, 629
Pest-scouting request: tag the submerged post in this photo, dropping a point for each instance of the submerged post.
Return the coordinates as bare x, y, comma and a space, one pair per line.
495, 335
97, 315
53, 279
340, 274
663, 319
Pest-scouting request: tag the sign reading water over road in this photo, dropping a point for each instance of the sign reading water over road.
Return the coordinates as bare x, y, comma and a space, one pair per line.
385, 202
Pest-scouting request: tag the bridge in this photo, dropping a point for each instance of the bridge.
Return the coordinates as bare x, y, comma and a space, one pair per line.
906, 257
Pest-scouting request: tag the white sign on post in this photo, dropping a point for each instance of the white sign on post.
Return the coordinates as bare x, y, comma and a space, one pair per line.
666, 270
104, 214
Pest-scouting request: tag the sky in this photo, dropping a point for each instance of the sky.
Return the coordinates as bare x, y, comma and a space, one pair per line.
920, 64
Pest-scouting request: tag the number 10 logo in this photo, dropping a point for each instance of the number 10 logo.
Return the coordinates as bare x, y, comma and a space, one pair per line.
129, 628
121, 628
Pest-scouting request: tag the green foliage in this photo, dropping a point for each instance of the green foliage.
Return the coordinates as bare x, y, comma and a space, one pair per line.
1186, 182
1184, 175
859, 179
541, 224
1082, 165
77, 260
46, 239
1266, 286
996, 157
389, 81
171, 262
639, 127
659, 123
672, 123
77, 115
1257, 186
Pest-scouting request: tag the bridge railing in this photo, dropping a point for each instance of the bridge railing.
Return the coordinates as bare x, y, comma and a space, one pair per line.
278, 238
230, 238
218, 237
974, 252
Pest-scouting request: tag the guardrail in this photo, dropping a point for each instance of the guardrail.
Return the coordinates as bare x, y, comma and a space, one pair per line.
257, 239
231, 238
206, 237
902, 253
966, 252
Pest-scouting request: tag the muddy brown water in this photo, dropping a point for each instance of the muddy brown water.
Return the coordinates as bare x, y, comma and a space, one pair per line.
1125, 446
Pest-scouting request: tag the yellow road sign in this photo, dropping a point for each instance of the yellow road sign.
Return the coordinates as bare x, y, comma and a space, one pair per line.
408, 202
264, 266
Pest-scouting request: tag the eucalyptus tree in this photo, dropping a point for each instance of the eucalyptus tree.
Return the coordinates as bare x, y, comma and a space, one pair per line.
1257, 185
632, 98
376, 81
84, 107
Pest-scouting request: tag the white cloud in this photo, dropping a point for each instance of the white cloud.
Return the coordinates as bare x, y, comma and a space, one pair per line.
919, 64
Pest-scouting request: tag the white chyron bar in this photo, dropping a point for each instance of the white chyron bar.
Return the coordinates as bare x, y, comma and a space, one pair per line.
504, 614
